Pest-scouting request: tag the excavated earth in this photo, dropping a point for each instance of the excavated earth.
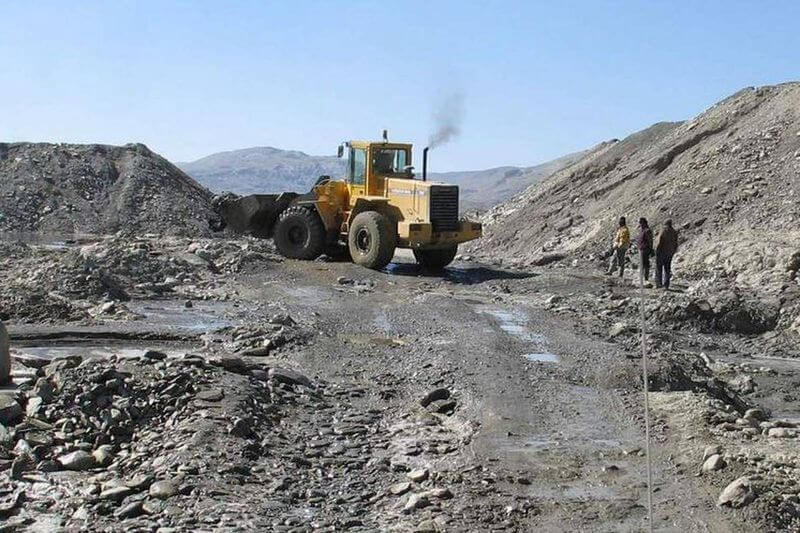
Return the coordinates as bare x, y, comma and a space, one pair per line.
176, 384
95, 188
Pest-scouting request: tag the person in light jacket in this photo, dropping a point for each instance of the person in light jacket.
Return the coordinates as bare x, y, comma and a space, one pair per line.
622, 241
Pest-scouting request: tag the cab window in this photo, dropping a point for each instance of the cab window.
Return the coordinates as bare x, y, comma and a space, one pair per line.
389, 161
358, 166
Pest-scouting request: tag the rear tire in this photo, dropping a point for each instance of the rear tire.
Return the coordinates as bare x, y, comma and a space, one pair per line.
436, 259
300, 234
372, 240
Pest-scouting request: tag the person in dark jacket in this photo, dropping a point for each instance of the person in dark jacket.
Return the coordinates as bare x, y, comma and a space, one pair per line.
666, 246
645, 243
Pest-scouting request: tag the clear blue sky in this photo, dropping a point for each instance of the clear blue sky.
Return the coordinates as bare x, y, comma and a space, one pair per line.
539, 79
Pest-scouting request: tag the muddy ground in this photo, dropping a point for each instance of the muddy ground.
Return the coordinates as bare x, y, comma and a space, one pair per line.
288, 396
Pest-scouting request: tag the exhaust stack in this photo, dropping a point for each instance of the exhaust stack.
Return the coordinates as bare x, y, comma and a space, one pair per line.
425, 163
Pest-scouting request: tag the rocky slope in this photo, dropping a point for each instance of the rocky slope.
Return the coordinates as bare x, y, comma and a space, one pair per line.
70, 188
729, 178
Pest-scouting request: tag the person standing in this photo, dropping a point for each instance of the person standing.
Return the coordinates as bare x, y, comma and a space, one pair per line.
622, 240
666, 246
645, 243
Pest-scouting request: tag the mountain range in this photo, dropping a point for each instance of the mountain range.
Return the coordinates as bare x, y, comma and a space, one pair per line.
265, 169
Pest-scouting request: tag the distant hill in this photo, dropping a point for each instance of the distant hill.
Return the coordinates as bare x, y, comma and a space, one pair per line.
269, 170
262, 169
482, 189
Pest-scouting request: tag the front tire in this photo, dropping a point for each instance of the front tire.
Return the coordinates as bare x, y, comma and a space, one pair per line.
372, 240
436, 259
299, 234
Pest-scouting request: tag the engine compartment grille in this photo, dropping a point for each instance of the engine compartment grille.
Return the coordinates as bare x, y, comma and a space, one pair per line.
444, 207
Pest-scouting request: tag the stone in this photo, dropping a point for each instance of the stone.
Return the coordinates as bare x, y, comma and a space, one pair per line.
33, 406
755, 414
155, 355
103, 455
416, 501
132, 510
442, 406
210, 395
781, 433
5, 356
441, 493
426, 526
418, 475
234, 364
739, 493
713, 449
77, 460
283, 320
241, 428
398, 489
713, 463
163, 490
434, 395
44, 389
116, 494
10, 409
617, 329
291, 377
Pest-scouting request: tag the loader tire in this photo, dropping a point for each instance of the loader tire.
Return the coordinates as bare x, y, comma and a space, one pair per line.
299, 234
372, 240
435, 259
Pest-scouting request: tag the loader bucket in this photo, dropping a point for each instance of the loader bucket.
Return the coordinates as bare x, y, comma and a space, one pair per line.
254, 214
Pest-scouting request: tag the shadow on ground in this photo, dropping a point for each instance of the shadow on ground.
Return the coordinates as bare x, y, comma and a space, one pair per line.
459, 275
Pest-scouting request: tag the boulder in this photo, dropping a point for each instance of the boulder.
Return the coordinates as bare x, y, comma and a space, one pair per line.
10, 409
77, 460
291, 377
163, 490
713, 463
739, 493
434, 395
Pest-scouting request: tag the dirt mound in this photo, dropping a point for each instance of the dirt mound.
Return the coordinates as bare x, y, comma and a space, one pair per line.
71, 188
729, 178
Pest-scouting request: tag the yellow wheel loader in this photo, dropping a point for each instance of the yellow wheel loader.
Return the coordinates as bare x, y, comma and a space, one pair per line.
380, 205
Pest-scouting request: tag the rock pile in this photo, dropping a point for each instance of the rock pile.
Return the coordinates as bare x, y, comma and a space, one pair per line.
222, 442
91, 281
70, 188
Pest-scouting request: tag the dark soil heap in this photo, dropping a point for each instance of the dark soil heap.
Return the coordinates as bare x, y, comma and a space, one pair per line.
71, 188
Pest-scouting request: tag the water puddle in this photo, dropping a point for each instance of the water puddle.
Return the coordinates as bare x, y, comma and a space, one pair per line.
541, 357
202, 316
515, 323
85, 351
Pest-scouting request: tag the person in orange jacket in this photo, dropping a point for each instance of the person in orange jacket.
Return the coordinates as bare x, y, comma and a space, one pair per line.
622, 241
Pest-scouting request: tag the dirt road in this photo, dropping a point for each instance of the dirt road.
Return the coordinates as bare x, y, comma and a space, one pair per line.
556, 415
531, 421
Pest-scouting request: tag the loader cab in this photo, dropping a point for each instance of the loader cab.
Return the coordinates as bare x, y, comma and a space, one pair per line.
371, 163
